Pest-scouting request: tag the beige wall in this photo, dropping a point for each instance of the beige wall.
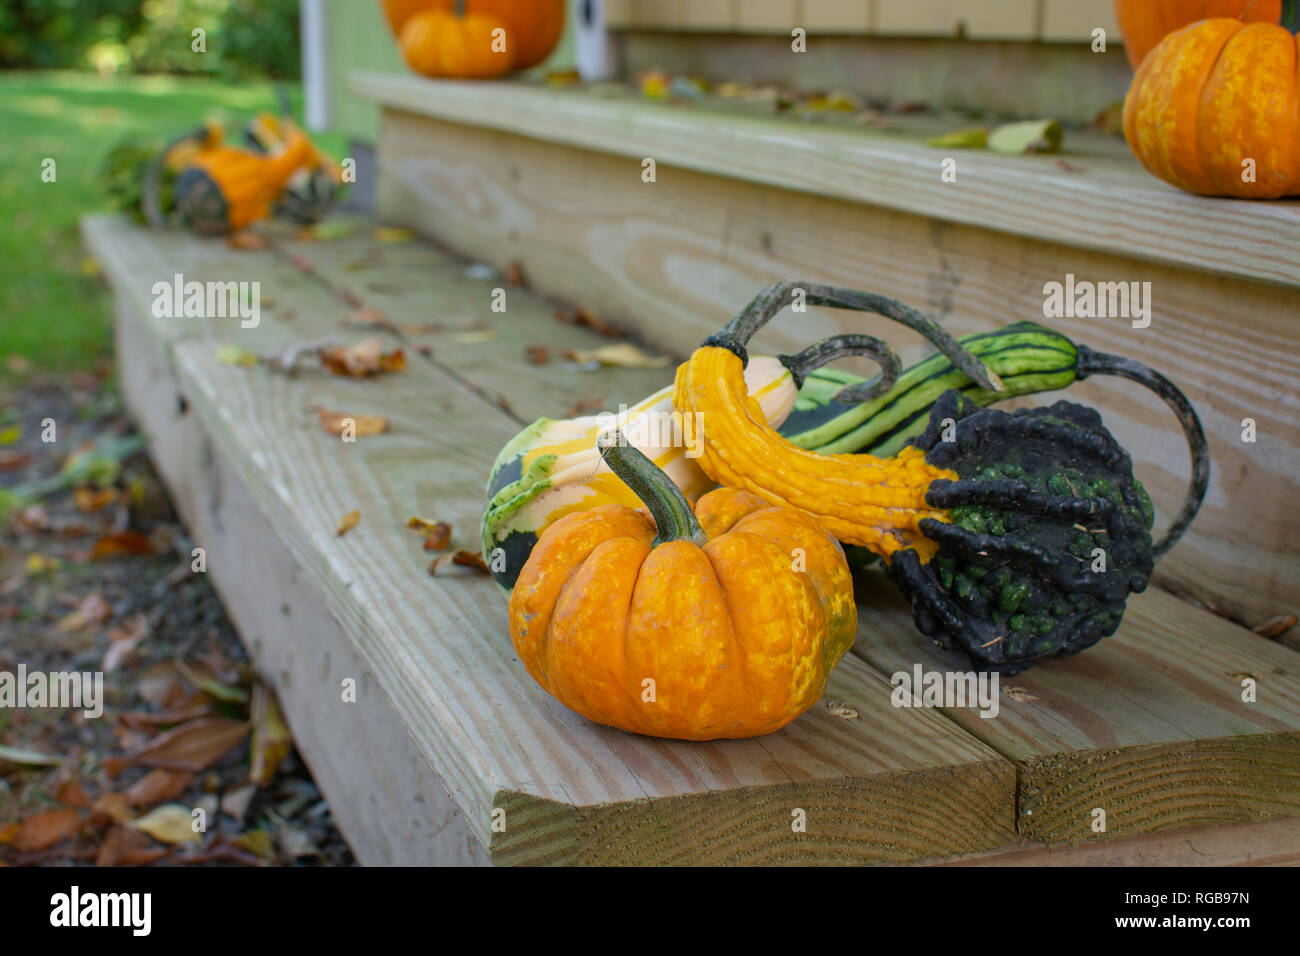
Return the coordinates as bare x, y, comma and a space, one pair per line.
1051, 20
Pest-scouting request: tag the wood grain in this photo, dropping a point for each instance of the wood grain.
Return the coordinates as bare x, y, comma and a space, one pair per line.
1273, 843
1117, 208
676, 258
440, 652
1149, 725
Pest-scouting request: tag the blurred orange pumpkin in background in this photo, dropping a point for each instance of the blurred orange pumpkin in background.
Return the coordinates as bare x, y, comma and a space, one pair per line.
532, 28
1144, 23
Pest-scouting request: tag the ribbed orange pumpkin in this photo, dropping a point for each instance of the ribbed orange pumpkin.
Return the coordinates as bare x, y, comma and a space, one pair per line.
726, 624
532, 26
1214, 96
438, 43
1144, 23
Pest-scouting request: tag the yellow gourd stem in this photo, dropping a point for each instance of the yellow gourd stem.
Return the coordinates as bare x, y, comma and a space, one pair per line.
873, 502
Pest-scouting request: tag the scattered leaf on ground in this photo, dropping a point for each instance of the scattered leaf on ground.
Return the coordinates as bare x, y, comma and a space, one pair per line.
122, 641
73, 794
12, 460
114, 806
271, 737
124, 542
1275, 626
259, 843
11, 433
334, 422
92, 610
515, 273
158, 785
843, 711
1018, 694
192, 746
46, 829
170, 823
538, 354
37, 564
1032, 136
91, 500
366, 357
438, 538
348, 522
234, 803
368, 316
28, 758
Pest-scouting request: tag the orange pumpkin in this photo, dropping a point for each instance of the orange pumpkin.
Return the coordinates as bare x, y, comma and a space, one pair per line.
437, 43
532, 27
1215, 109
725, 624
1144, 23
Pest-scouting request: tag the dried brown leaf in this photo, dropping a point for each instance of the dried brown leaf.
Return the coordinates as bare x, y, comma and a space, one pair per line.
92, 610
359, 359
157, 786
538, 354
335, 422
46, 829
194, 746
124, 542
271, 737
122, 641
73, 794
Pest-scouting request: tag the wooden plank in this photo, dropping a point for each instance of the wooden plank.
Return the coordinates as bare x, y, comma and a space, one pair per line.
411, 819
439, 650
767, 16
1149, 725
1117, 207
1072, 21
1272, 843
1003, 20
674, 259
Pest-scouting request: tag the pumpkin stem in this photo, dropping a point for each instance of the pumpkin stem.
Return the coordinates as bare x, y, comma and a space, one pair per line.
668, 506
1090, 363
735, 335
837, 346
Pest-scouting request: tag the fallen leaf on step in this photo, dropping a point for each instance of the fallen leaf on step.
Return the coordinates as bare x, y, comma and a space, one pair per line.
537, 354
843, 711
327, 231
563, 78
170, 823
622, 355
123, 846
193, 746
27, 758
591, 320
1032, 136
392, 234
46, 829
246, 240
347, 523
437, 533
335, 422
234, 355
124, 542
92, 610
158, 785
366, 357
465, 559
1018, 694
1276, 626
271, 737
11, 433
1070, 167
474, 338
973, 138
369, 316
515, 273
259, 843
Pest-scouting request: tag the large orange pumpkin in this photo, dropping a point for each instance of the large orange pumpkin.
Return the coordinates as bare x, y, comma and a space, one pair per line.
532, 26
725, 624
438, 43
1215, 109
1144, 23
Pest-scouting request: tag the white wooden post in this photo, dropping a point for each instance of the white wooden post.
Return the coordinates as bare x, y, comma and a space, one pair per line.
593, 49
314, 81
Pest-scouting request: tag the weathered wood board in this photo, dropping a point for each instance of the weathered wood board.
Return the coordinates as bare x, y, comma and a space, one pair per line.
1149, 726
439, 649
741, 203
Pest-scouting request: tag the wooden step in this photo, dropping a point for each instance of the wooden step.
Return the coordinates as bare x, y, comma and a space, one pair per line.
439, 648
552, 179
449, 727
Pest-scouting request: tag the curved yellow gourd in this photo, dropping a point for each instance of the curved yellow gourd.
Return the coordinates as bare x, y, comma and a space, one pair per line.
873, 502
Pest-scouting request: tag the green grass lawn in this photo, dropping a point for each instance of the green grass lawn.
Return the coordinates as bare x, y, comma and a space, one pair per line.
54, 311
